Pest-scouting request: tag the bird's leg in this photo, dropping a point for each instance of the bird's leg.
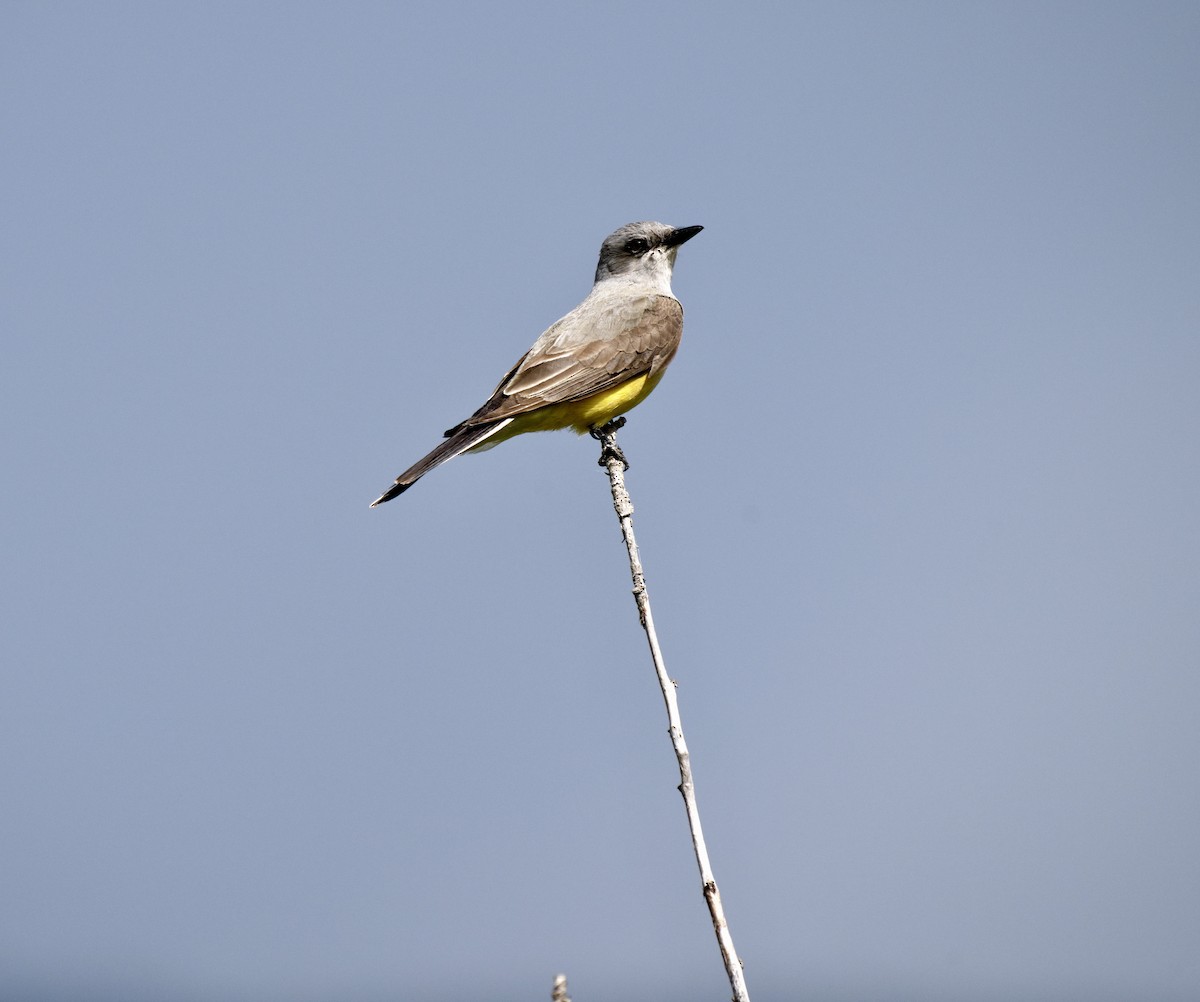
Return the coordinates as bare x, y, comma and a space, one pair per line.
606, 435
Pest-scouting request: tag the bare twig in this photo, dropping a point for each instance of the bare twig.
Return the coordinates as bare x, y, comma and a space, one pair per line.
613, 460
559, 993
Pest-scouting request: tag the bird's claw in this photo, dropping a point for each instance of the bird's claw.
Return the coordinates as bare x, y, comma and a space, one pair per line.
609, 449
611, 452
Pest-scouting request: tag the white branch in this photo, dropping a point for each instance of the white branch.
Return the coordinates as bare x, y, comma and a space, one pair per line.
613, 460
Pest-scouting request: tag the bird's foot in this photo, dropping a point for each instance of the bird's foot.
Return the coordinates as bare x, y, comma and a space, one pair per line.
606, 435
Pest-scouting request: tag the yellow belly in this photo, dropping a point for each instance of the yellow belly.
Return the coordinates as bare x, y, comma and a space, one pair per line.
579, 414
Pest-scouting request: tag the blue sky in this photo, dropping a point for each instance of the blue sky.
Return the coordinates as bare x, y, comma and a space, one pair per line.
917, 501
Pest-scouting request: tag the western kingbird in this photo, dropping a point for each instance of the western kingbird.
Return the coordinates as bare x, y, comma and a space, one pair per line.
600, 360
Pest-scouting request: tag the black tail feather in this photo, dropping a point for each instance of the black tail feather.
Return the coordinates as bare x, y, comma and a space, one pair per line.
461, 439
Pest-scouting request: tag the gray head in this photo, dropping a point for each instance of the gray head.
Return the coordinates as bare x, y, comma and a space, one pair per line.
643, 251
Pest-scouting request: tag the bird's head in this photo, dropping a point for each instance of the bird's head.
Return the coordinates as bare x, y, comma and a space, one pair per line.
643, 251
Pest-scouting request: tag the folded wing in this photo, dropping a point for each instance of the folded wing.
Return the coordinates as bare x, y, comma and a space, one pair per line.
597, 346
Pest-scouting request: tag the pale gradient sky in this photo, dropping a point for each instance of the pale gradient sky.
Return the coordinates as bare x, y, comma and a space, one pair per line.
919, 502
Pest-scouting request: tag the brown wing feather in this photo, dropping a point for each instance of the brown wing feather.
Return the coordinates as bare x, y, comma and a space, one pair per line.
578, 358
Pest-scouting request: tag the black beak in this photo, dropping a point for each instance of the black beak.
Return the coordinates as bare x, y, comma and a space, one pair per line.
681, 235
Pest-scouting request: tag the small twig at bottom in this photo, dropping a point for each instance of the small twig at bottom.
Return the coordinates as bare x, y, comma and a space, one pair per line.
613, 460
559, 992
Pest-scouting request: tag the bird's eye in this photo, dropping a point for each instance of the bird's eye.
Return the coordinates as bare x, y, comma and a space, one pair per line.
637, 245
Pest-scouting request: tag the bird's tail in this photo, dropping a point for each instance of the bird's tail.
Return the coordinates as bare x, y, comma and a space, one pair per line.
458, 440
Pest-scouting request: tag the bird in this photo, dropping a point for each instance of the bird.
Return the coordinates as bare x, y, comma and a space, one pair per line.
597, 362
